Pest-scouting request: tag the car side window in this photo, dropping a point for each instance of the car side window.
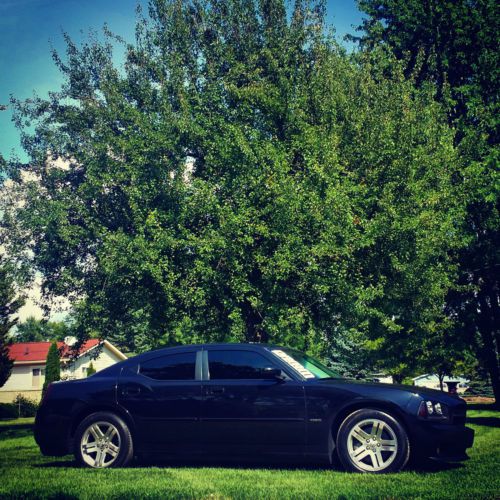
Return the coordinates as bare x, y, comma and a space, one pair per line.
237, 365
172, 367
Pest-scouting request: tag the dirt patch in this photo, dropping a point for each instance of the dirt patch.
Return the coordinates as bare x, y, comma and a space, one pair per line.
478, 399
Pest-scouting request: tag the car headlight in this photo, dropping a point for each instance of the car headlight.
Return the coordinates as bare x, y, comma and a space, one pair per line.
433, 410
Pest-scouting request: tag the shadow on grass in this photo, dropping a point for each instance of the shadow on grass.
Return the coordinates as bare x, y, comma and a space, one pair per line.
67, 463
425, 467
15, 427
486, 421
430, 466
15, 432
229, 464
483, 406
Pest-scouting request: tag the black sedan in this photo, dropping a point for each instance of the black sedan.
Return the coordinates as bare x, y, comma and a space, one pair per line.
246, 400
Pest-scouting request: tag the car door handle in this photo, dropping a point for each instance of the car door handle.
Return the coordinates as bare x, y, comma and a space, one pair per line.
215, 390
131, 391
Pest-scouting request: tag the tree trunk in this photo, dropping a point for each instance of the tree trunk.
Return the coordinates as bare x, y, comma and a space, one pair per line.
489, 335
489, 354
253, 322
441, 378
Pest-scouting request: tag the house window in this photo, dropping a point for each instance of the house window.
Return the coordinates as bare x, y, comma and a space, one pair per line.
36, 375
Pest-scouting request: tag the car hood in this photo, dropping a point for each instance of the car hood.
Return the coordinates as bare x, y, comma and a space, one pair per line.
413, 389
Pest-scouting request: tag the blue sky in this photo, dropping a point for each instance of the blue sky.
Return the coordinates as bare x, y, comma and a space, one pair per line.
27, 27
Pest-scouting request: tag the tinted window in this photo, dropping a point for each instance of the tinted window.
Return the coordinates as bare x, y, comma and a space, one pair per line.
171, 367
237, 365
307, 366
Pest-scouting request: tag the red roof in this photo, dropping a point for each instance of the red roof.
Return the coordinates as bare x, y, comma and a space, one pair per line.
37, 351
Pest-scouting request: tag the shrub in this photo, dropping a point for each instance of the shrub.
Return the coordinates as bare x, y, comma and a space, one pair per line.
90, 370
25, 407
8, 410
52, 367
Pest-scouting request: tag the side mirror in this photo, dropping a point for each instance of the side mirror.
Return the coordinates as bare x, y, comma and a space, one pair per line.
273, 374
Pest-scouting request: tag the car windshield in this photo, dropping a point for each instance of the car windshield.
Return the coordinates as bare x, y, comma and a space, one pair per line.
307, 366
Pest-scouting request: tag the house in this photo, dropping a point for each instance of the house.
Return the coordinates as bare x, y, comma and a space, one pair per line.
431, 381
28, 372
381, 378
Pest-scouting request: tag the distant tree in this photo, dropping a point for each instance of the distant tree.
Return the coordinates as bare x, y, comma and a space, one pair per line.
91, 370
439, 356
30, 330
36, 330
347, 356
52, 367
480, 384
10, 303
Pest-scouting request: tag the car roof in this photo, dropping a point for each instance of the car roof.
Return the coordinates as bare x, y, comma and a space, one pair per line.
191, 347
245, 345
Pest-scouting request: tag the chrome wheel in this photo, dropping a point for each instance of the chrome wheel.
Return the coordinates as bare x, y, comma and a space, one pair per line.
372, 445
100, 444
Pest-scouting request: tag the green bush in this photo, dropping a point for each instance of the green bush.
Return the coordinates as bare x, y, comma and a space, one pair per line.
52, 367
20, 407
25, 407
8, 410
90, 370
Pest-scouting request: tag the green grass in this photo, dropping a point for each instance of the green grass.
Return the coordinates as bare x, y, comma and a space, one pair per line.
25, 473
17, 422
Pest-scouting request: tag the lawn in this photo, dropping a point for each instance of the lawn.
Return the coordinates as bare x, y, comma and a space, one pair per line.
25, 473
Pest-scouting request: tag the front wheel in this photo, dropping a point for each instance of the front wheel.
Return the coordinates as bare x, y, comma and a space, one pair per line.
103, 440
373, 441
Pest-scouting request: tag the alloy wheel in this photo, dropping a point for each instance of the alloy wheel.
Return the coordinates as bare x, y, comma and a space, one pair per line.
372, 445
100, 444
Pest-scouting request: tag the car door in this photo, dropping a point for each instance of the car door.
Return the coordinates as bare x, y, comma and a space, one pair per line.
243, 410
163, 395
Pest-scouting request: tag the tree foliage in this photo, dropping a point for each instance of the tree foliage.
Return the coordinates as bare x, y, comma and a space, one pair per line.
454, 45
36, 330
240, 178
52, 367
10, 303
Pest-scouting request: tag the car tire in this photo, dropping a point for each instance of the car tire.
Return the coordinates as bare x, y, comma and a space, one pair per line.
373, 441
103, 440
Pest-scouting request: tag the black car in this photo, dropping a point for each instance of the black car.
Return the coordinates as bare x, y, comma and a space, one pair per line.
246, 400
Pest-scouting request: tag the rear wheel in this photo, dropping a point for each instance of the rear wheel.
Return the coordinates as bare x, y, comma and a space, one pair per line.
373, 441
103, 440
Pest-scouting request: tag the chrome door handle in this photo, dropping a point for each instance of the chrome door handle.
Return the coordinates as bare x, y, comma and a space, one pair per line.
216, 390
131, 391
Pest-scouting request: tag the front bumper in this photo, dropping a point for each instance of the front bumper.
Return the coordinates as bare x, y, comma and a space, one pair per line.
443, 441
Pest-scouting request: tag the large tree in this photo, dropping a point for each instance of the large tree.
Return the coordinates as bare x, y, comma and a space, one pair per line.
10, 303
240, 178
454, 45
